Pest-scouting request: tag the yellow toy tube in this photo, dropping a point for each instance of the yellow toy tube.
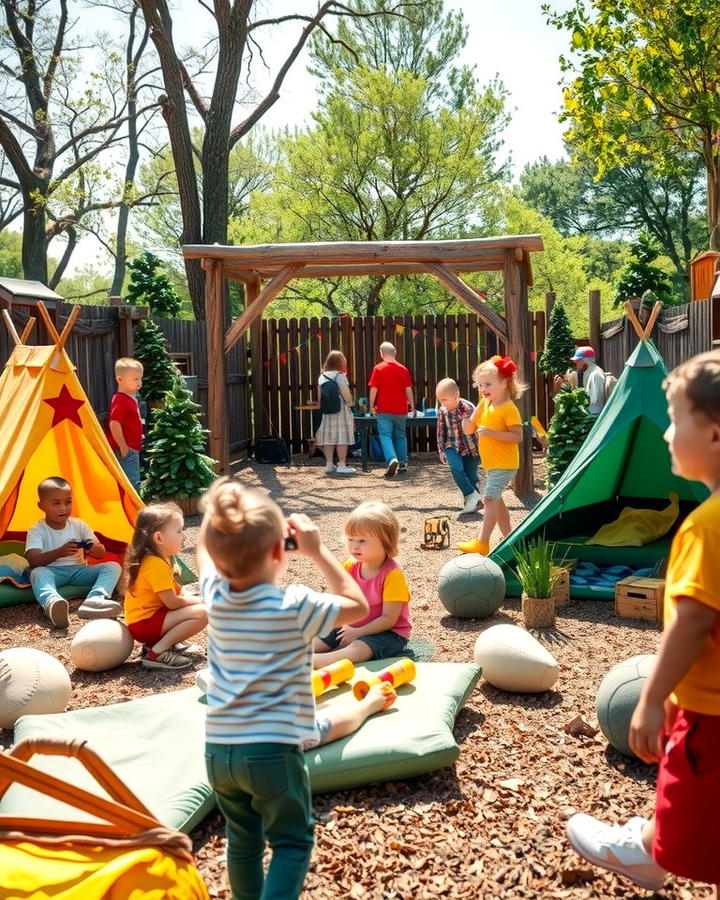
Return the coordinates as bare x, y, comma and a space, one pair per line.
400, 672
336, 673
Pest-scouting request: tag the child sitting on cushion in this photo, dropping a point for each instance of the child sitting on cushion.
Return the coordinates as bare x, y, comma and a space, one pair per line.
55, 550
371, 536
157, 613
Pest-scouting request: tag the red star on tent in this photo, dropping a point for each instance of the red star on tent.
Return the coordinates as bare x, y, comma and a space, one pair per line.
65, 406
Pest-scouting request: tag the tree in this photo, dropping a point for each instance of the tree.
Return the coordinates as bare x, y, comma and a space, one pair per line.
205, 217
55, 128
559, 343
569, 427
160, 374
643, 81
177, 465
641, 274
11, 254
151, 287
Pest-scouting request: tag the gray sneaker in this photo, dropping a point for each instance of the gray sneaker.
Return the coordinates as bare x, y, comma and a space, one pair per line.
392, 468
57, 611
168, 659
99, 608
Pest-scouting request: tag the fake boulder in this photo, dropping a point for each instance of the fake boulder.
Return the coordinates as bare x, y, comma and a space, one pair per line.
31, 683
100, 645
513, 660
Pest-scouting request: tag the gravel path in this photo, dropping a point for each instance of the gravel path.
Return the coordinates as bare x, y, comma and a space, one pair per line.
493, 825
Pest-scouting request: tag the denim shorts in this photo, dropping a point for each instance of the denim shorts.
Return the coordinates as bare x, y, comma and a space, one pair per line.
496, 480
383, 645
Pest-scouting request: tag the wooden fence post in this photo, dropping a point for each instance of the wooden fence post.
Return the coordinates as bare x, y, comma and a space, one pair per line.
519, 346
594, 317
252, 290
217, 386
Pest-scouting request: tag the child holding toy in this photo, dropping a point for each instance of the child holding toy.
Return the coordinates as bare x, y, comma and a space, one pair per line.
55, 550
125, 427
157, 613
260, 701
677, 720
497, 425
371, 535
459, 451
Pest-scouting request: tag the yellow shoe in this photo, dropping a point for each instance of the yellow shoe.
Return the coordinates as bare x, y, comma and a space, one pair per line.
474, 546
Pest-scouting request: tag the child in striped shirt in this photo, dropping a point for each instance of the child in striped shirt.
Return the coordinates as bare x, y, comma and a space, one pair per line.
261, 708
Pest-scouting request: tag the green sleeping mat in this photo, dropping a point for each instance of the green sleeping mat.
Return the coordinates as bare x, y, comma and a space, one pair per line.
156, 744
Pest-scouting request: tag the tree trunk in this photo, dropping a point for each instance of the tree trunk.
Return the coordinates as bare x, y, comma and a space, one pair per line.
34, 247
713, 202
373, 297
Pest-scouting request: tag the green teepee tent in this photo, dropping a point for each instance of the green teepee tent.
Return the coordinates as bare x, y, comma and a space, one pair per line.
624, 461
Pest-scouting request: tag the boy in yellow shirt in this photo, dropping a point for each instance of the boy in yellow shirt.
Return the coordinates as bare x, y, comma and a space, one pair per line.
677, 720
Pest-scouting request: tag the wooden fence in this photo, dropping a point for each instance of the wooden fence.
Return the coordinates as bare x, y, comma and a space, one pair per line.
432, 347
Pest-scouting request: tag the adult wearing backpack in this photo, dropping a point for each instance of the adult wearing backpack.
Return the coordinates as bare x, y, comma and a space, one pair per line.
337, 428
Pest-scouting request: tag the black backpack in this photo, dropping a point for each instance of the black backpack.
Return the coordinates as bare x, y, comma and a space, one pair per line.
330, 398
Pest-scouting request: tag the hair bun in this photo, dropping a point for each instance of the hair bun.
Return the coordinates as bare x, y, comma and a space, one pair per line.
226, 507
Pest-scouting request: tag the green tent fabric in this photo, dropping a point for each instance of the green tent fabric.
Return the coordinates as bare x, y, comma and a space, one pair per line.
156, 744
623, 461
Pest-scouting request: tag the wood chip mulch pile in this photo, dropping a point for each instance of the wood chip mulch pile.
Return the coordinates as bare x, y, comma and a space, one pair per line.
493, 825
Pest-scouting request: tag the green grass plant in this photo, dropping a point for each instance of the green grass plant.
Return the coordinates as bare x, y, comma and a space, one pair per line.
536, 570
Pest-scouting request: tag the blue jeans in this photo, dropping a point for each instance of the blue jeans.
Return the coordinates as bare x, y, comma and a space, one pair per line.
263, 790
393, 437
464, 470
130, 465
101, 580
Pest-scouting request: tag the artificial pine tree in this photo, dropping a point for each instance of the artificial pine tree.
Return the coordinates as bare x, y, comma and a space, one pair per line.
559, 343
177, 466
148, 286
641, 275
568, 429
160, 374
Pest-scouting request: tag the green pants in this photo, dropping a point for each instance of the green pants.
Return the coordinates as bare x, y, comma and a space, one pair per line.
263, 790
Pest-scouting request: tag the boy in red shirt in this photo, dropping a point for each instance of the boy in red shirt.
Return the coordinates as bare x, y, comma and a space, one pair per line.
125, 427
391, 399
677, 720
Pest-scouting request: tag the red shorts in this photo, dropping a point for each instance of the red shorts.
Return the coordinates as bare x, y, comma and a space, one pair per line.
687, 829
149, 631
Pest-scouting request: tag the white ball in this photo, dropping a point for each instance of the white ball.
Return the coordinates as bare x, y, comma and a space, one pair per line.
513, 660
31, 683
101, 644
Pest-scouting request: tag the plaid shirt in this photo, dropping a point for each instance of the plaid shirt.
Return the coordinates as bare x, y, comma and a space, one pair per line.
449, 430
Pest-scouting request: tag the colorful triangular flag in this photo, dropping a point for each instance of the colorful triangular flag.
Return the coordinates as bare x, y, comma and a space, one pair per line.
438, 341
454, 345
399, 329
266, 363
415, 332
283, 358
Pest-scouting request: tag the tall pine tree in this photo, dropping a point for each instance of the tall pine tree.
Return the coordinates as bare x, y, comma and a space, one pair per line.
148, 285
641, 274
559, 343
568, 429
160, 374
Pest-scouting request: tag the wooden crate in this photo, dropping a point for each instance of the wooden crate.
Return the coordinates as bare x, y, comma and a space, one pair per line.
640, 598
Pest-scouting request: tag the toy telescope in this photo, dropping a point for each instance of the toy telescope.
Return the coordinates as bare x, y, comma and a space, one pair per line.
400, 672
332, 675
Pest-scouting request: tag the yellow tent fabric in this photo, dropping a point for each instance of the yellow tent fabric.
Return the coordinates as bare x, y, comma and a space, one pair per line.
49, 428
77, 872
638, 527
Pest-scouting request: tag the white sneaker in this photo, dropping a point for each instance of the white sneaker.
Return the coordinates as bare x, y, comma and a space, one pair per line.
392, 468
471, 502
618, 848
330, 470
345, 470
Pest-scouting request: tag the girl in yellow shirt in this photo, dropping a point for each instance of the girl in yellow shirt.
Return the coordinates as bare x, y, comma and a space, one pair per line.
157, 613
498, 426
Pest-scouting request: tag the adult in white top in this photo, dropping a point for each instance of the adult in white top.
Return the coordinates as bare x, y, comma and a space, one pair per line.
593, 378
337, 429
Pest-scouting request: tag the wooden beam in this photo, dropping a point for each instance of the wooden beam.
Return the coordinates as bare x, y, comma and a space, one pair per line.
653, 319
27, 331
519, 346
253, 290
366, 251
74, 313
630, 312
237, 272
217, 387
11, 328
263, 299
594, 320
467, 295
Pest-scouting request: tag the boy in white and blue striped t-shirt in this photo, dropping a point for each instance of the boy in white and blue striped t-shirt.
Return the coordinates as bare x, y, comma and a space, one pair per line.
261, 707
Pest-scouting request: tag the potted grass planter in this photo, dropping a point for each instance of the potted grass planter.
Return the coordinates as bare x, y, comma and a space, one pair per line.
537, 576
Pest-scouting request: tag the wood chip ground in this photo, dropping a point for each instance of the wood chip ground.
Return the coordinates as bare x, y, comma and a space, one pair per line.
491, 827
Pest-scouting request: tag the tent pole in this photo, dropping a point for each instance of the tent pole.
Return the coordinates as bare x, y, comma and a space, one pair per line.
11, 327
29, 325
74, 313
653, 319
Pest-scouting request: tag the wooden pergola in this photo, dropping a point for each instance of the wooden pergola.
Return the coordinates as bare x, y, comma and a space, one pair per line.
267, 268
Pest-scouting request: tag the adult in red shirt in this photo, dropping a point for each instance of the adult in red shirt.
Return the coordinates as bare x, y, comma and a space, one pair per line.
391, 399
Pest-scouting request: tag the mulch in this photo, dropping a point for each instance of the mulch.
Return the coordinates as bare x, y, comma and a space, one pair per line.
492, 826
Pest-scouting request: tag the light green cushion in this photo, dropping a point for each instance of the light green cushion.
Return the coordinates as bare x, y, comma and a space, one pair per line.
156, 744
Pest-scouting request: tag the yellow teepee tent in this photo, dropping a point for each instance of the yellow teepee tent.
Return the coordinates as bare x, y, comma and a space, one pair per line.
47, 427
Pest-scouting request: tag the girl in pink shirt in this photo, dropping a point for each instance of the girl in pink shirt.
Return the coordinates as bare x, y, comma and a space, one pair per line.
371, 536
